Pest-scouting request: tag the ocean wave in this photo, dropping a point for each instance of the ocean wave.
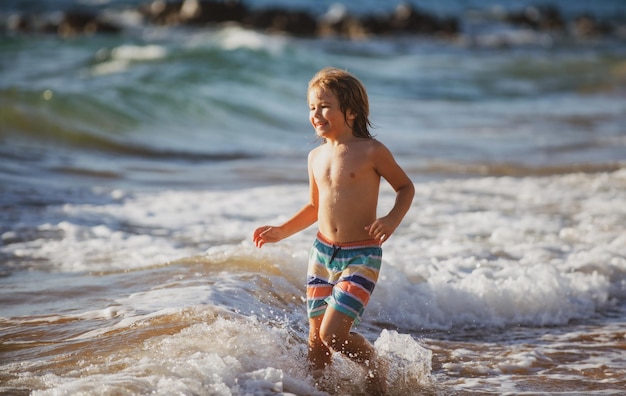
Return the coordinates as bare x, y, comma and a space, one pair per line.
120, 59
452, 169
163, 291
495, 251
90, 125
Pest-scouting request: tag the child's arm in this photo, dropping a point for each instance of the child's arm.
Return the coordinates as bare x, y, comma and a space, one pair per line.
388, 168
301, 220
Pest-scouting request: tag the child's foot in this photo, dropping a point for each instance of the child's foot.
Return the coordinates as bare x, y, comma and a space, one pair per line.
376, 381
317, 373
322, 381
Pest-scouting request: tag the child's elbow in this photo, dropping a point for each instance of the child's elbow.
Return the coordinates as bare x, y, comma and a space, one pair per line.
408, 189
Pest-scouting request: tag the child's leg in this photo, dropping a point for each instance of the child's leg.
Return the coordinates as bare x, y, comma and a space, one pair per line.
319, 354
335, 333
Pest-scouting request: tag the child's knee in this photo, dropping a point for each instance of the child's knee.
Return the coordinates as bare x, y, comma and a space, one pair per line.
332, 340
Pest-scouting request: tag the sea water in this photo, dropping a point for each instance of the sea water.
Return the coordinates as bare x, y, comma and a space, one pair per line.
134, 168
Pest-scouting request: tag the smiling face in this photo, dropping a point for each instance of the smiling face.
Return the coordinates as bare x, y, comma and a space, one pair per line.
326, 116
349, 93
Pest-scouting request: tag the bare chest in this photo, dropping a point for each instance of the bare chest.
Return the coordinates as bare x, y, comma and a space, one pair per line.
342, 169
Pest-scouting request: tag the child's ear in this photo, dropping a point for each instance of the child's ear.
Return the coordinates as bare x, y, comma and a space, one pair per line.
350, 115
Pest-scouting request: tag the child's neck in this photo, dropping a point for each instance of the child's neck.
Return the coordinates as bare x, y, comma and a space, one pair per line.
345, 137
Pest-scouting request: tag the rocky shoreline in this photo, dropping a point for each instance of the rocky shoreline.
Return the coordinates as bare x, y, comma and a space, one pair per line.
337, 22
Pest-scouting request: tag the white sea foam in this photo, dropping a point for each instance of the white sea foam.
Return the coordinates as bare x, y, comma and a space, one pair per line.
409, 364
220, 358
497, 253
119, 59
222, 354
491, 251
136, 52
233, 37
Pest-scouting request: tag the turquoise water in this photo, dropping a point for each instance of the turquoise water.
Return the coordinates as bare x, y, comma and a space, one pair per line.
135, 166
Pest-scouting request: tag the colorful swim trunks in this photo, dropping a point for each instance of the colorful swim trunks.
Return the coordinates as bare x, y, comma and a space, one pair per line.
342, 275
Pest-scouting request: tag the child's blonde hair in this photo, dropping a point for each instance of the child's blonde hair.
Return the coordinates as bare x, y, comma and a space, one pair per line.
351, 95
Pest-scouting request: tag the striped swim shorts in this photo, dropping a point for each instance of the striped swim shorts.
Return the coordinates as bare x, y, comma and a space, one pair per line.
342, 275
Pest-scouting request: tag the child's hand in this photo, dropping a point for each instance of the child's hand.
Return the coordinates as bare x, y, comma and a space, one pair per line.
266, 234
381, 229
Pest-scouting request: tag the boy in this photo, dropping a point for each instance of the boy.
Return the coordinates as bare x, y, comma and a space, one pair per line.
344, 179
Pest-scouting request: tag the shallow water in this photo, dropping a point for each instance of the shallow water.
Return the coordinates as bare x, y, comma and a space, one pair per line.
514, 285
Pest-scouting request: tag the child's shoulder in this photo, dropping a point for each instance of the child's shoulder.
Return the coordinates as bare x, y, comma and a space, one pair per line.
373, 142
314, 151
372, 145
377, 151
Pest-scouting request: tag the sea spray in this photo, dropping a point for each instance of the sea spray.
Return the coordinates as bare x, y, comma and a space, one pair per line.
409, 364
222, 354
